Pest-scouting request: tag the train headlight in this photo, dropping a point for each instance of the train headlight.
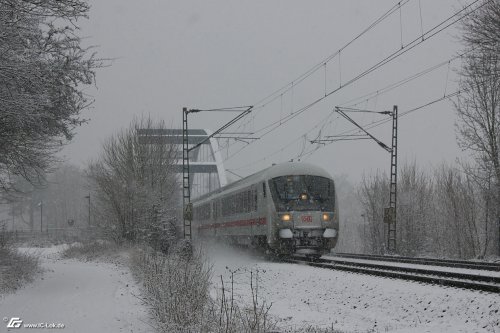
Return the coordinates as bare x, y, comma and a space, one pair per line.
286, 217
325, 217
304, 196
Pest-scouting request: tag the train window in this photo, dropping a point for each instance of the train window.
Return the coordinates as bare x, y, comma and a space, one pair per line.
202, 212
252, 200
241, 202
225, 206
255, 200
264, 189
287, 190
247, 201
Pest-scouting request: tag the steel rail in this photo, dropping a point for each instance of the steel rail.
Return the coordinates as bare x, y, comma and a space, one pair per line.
452, 279
424, 261
453, 275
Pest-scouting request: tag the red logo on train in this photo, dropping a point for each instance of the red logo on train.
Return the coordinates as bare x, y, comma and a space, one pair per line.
307, 218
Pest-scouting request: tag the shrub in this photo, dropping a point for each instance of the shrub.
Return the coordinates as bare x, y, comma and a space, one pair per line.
16, 269
178, 289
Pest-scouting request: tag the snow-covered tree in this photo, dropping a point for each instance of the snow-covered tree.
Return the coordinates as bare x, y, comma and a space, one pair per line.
43, 68
444, 213
462, 224
478, 107
135, 186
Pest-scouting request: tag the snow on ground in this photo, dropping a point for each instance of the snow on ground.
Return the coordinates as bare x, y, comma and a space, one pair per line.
84, 296
303, 295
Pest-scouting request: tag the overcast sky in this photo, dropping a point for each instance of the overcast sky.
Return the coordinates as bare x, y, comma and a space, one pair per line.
209, 54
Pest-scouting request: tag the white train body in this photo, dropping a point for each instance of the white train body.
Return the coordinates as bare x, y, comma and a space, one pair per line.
286, 208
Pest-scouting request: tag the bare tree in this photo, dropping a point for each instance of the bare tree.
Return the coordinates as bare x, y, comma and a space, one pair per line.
43, 68
442, 214
461, 213
482, 28
478, 107
373, 194
135, 187
416, 218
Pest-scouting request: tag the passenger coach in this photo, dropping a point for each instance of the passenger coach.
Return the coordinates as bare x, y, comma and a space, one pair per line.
287, 208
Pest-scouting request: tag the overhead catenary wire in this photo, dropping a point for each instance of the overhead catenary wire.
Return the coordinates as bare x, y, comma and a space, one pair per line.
383, 121
366, 97
322, 123
431, 32
401, 25
421, 20
342, 135
259, 105
356, 101
436, 29
326, 60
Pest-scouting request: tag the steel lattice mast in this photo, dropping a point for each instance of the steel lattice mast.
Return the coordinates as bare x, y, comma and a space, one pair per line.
186, 188
186, 172
391, 237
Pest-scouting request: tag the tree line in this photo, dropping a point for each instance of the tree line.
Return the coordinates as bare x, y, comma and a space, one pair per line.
442, 213
455, 210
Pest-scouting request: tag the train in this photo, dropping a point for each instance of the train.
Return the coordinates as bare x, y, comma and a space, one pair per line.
286, 209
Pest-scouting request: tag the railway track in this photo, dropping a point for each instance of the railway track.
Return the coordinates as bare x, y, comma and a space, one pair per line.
440, 272
487, 266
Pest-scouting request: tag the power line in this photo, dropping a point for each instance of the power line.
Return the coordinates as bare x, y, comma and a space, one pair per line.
323, 123
386, 60
366, 97
271, 97
417, 41
261, 104
363, 98
383, 121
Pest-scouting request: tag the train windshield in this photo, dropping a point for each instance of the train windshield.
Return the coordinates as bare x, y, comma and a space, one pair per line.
303, 193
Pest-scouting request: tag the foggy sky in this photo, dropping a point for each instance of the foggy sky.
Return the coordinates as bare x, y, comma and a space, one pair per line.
208, 54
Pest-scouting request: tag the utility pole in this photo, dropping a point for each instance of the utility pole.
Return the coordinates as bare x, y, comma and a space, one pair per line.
389, 212
392, 218
187, 207
186, 188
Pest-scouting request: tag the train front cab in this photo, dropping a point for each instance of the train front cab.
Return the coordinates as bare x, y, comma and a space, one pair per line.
305, 216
